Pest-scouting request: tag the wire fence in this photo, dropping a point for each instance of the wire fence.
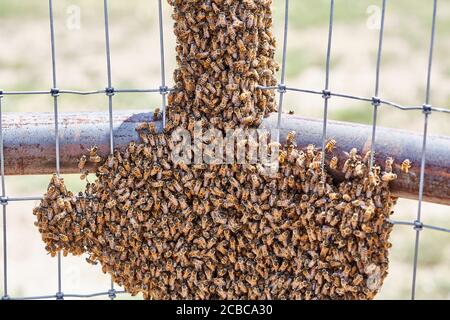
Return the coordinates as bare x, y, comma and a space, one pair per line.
282, 88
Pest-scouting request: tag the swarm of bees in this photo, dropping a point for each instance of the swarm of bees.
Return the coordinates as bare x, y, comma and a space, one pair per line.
225, 49
225, 231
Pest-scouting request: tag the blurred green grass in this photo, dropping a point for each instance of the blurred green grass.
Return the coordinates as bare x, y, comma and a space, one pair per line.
20, 8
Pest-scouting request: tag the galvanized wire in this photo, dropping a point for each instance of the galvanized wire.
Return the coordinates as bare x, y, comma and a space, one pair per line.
427, 112
55, 93
356, 97
3, 203
282, 88
163, 88
326, 93
375, 99
108, 293
109, 92
419, 225
27, 198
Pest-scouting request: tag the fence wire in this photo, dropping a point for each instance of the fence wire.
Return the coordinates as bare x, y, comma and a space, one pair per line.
282, 88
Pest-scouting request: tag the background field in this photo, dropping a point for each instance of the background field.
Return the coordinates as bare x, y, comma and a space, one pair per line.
25, 65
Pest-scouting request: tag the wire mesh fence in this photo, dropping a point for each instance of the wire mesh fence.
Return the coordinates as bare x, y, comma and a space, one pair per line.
375, 102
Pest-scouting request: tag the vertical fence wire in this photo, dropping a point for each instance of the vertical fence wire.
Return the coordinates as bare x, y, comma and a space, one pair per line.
427, 111
326, 93
282, 86
109, 89
55, 93
109, 92
375, 99
3, 203
163, 88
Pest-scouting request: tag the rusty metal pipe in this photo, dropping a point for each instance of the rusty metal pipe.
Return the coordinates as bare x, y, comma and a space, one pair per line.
395, 143
30, 148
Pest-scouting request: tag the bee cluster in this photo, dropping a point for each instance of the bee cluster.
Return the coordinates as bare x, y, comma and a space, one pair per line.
224, 50
225, 231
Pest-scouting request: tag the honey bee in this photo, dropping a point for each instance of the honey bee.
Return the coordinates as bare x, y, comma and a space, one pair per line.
367, 156
373, 179
357, 280
334, 163
84, 175
93, 157
57, 182
82, 162
406, 165
359, 170
142, 126
60, 202
368, 213
221, 20
330, 145
110, 204
389, 163
354, 220
388, 176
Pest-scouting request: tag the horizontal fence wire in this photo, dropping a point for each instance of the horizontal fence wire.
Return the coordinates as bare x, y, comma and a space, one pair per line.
282, 88
110, 294
418, 225
84, 93
353, 97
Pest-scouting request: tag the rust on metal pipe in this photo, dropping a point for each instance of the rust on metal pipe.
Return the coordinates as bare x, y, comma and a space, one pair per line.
30, 145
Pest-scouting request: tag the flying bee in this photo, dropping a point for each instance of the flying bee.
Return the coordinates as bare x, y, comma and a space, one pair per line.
330, 145
84, 175
406, 165
93, 157
353, 153
82, 162
389, 162
290, 138
367, 157
156, 114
